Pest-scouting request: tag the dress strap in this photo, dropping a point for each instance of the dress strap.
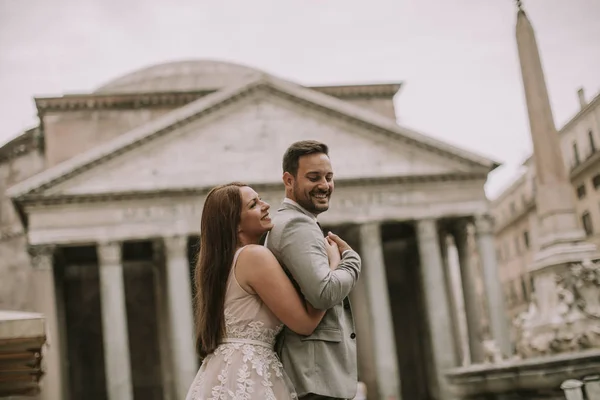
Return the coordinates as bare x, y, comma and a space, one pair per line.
232, 272
235, 256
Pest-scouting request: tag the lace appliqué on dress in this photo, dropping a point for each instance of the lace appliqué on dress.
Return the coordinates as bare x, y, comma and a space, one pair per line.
255, 363
254, 330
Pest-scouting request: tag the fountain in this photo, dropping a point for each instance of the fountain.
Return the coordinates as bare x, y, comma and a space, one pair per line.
558, 337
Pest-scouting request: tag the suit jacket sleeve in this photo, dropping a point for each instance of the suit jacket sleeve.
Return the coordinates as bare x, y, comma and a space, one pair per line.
302, 250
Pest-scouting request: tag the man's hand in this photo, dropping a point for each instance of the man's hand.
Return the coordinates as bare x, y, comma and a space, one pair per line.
342, 245
333, 252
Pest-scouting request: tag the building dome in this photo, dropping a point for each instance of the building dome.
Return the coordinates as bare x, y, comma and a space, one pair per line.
180, 76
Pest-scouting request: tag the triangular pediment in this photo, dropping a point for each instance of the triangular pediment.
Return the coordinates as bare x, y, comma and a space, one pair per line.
240, 134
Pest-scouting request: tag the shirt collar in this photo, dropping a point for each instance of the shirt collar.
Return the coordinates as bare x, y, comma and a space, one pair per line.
292, 202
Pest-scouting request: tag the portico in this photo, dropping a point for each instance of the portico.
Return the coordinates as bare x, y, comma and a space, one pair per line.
395, 224
118, 225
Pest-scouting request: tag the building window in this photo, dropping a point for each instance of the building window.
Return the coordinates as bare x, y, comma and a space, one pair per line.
524, 289
513, 208
576, 159
586, 220
526, 239
517, 246
596, 181
531, 284
580, 191
592, 144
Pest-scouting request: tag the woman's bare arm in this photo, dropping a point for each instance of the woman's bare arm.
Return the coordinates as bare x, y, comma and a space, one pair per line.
257, 269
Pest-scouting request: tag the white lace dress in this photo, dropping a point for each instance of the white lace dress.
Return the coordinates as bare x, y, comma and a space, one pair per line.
245, 366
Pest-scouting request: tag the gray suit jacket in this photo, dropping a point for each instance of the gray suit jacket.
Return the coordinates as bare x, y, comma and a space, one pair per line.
325, 362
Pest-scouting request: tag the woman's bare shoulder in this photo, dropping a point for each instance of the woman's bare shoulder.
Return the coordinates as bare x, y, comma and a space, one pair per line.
255, 253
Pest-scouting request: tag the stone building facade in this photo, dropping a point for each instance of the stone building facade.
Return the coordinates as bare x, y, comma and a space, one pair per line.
100, 220
514, 210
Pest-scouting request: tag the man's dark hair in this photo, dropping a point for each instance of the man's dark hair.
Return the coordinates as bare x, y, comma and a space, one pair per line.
299, 149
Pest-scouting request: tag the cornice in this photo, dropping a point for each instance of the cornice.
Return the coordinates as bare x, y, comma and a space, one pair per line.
382, 90
132, 101
129, 101
55, 199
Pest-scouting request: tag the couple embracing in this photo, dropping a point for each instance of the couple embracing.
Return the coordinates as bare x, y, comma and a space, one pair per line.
274, 321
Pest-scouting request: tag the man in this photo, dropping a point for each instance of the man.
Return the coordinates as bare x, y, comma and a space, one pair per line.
322, 365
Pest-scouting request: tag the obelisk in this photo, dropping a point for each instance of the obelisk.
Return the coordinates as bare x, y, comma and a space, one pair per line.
555, 321
561, 238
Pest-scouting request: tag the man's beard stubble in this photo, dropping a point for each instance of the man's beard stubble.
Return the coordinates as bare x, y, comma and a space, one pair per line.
306, 202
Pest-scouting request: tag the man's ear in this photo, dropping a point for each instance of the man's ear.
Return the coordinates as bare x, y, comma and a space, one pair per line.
288, 180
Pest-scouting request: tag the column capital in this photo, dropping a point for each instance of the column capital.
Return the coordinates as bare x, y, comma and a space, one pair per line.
41, 256
427, 229
370, 227
484, 224
109, 253
176, 244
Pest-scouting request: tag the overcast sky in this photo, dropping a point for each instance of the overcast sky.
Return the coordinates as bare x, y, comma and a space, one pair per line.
457, 59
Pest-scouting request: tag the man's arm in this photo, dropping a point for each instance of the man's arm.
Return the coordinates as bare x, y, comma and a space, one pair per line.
302, 250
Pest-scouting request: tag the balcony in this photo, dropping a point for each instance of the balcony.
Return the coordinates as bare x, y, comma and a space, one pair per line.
579, 167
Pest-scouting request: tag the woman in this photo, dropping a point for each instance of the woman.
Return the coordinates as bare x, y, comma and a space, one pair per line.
243, 300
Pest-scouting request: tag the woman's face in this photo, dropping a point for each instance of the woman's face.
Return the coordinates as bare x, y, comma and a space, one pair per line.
255, 219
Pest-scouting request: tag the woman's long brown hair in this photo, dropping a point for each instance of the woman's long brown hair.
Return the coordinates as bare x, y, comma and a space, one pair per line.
221, 216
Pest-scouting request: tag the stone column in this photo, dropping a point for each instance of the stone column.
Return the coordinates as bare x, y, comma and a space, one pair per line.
181, 320
468, 277
115, 335
44, 288
453, 302
456, 293
384, 344
437, 305
493, 286
162, 319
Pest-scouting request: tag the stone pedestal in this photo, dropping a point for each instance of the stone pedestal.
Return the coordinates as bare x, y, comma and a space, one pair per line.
114, 323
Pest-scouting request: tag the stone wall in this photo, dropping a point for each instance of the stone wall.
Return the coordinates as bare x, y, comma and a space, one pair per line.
15, 264
68, 133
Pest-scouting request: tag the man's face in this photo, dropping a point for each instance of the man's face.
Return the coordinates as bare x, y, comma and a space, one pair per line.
313, 184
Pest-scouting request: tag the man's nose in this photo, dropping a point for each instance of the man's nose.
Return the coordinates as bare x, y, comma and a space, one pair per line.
323, 185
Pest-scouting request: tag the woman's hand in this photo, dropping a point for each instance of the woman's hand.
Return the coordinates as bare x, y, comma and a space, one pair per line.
333, 252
